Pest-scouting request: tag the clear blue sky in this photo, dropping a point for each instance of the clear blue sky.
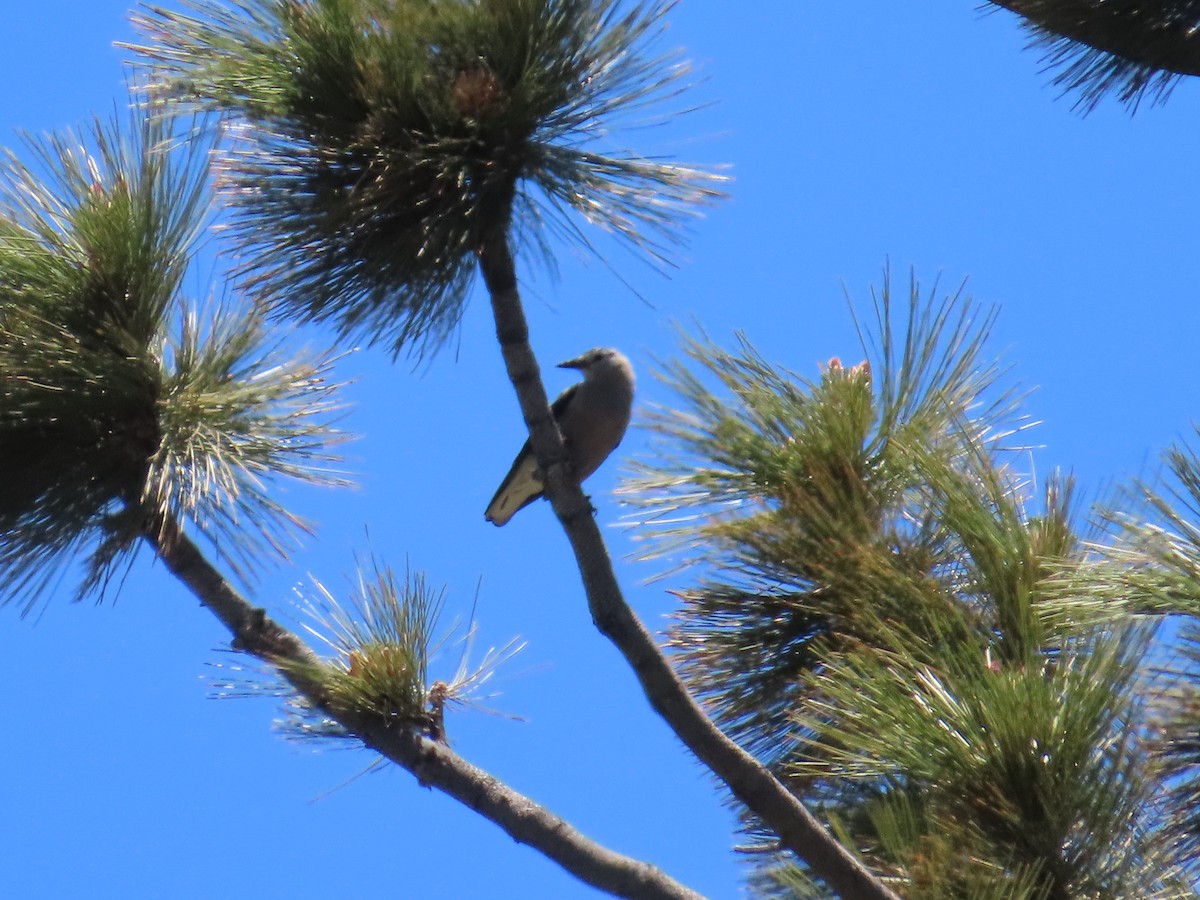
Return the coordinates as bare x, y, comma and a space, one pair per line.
857, 133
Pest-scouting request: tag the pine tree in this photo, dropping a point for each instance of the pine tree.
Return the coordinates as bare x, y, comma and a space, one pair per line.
925, 643
927, 676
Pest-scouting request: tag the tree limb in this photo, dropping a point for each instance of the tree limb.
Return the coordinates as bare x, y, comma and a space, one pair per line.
750, 781
1158, 36
1127, 48
433, 763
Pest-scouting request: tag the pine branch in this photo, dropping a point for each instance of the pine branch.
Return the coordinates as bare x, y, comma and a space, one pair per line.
371, 135
431, 762
1128, 47
116, 385
746, 777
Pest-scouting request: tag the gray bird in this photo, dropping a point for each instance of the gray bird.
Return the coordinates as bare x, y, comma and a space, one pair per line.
592, 416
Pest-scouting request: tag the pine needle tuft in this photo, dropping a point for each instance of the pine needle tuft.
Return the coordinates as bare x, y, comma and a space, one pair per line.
119, 409
377, 143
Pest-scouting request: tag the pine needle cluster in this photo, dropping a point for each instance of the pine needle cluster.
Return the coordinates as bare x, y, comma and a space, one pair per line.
817, 496
117, 408
1134, 50
380, 140
1147, 566
383, 637
877, 614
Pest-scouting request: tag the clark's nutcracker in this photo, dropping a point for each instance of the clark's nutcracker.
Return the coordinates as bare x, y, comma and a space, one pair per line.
592, 416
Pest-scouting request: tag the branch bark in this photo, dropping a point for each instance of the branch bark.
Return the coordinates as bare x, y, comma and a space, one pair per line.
433, 763
750, 781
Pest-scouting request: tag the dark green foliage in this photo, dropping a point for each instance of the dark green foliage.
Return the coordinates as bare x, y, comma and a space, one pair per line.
813, 502
1017, 768
237, 410
879, 615
117, 408
383, 637
1150, 564
383, 139
383, 641
1177, 745
1128, 48
92, 249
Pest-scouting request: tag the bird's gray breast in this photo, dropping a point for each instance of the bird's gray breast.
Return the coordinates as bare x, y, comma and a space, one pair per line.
595, 421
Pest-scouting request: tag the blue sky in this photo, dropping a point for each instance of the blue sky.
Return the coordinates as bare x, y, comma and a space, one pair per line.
857, 134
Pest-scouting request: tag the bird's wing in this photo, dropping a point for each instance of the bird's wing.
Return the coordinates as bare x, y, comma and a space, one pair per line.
520, 487
523, 483
559, 406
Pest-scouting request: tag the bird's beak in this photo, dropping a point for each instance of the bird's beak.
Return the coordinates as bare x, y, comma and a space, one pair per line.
576, 363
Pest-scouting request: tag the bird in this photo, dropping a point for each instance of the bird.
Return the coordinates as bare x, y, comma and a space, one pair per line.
592, 416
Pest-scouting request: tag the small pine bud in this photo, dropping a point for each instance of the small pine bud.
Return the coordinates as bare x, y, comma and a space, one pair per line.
477, 94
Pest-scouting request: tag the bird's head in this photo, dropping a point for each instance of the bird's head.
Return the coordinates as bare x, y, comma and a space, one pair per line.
596, 360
